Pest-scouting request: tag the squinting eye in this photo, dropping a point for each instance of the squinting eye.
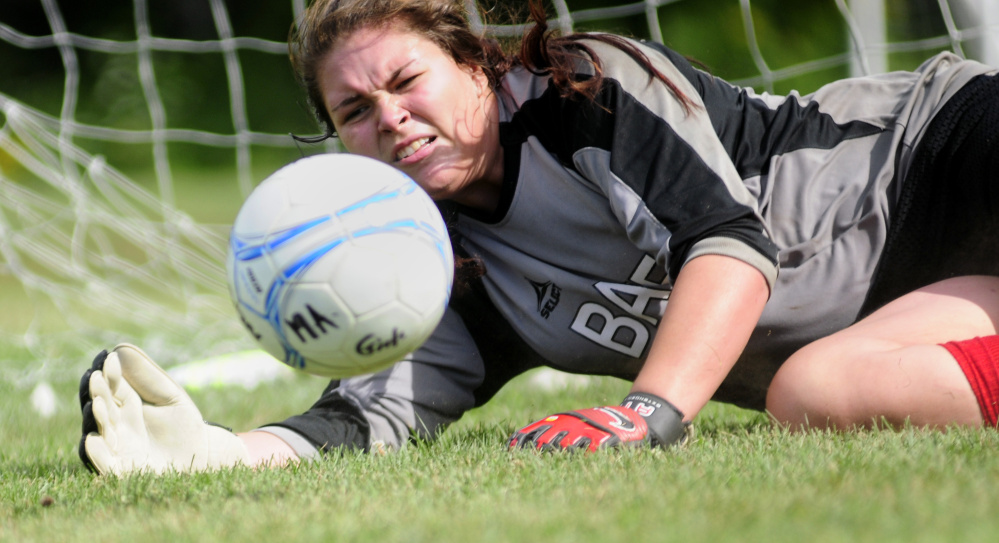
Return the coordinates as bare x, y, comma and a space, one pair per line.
406, 82
354, 113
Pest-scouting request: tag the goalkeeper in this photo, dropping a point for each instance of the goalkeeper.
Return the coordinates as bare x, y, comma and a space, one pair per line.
830, 258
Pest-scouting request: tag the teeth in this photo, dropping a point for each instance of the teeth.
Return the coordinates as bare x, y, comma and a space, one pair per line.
411, 148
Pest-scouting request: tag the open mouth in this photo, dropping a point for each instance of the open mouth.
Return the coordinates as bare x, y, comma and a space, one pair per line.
408, 150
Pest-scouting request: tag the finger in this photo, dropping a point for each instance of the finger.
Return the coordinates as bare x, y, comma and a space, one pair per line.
121, 392
97, 364
534, 437
149, 380
82, 451
89, 423
121, 407
581, 444
85, 388
105, 423
556, 441
99, 387
112, 375
94, 447
529, 439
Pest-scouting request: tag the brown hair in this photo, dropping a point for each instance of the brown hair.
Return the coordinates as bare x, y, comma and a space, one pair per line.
544, 52
445, 23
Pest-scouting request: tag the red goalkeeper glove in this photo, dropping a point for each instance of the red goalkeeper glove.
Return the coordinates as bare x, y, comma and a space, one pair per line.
640, 419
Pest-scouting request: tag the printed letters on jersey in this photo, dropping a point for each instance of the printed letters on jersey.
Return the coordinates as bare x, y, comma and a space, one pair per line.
641, 302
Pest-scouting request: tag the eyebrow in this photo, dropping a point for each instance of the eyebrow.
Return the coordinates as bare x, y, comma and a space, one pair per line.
356, 97
345, 102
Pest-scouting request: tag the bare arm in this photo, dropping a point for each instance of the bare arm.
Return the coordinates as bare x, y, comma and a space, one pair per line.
715, 305
267, 450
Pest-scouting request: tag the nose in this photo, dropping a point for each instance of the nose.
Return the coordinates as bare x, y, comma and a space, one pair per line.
391, 114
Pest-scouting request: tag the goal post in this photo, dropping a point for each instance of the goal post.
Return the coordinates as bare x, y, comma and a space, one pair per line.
976, 23
867, 24
129, 137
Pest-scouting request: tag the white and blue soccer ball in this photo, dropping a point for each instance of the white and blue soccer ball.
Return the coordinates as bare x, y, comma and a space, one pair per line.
339, 265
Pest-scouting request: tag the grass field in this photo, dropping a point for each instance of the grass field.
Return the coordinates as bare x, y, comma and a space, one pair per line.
739, 480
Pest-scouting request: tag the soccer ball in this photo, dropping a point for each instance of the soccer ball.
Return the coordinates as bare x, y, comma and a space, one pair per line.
339, 265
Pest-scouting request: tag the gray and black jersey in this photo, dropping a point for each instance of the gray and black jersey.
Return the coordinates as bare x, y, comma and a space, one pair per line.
603, 203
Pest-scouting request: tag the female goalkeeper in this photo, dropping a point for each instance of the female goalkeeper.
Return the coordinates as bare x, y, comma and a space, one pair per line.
829, 258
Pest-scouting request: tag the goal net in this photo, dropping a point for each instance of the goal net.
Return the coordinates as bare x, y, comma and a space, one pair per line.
129, 136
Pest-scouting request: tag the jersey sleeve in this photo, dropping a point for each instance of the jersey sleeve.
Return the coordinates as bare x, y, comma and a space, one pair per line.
472, 353
665, 172
416, 397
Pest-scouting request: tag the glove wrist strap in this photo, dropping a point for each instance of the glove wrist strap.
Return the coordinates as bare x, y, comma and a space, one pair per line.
665, 421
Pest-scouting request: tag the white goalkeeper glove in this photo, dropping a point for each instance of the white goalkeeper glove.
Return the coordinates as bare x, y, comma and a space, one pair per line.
136, 418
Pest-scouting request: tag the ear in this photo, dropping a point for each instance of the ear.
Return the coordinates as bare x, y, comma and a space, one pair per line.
479, 79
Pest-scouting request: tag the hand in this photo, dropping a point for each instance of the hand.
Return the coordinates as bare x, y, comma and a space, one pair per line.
640, 419
136, 418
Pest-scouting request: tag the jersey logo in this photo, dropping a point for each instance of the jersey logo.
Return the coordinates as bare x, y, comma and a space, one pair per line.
548, 294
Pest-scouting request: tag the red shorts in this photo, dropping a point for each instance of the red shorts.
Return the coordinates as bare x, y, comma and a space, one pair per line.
979, 359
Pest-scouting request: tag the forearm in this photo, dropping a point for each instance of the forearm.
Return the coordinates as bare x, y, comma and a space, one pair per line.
267, 449
715, 305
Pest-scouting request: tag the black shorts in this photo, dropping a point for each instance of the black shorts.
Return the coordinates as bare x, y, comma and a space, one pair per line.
946, 222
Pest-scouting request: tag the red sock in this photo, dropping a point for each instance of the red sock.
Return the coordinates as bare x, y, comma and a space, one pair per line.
979, 359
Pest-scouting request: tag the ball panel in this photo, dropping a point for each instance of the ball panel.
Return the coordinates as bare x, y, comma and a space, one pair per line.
265, 204
365, 277
314, 321
299, 248
253, 277
384, 336
426, 280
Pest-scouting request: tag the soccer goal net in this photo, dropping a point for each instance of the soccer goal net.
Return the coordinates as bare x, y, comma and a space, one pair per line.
130, 134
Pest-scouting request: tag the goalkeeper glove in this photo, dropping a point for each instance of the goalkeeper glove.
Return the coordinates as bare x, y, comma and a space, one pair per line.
136, 418
640, 419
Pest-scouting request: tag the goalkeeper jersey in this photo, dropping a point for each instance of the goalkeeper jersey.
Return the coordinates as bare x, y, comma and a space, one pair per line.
603, 203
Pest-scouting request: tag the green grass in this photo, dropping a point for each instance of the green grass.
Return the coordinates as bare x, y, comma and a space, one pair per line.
739, 480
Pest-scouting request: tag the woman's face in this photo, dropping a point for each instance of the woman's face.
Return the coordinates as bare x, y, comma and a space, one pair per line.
397, 97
